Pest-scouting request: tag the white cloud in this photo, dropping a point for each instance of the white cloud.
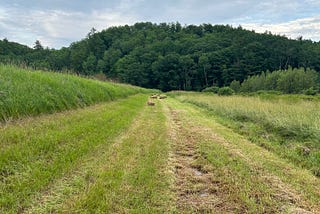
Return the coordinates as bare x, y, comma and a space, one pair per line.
55, 28
75, 25
72, 20
313, 2
309, 28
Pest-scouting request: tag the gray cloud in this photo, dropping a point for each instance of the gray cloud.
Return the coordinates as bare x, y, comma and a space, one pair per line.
57, 23
56, 28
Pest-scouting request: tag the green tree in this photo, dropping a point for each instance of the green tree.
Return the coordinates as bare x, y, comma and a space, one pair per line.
89, 65
205, 66
37, 45
171, 56
187, 71
78, 54
110, 57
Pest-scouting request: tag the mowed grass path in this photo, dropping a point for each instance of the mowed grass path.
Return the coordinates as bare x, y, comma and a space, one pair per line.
229, 173
36, 153
132, 176
128, 157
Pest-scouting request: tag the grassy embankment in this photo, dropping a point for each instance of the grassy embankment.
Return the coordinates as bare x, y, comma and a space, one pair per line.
24, 92
286, 125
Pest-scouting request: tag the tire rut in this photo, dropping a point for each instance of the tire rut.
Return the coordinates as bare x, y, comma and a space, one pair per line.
194, 188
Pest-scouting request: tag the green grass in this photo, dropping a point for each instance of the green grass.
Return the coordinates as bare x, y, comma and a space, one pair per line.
37, 151
248, 178
133, 179
117, 157
28, 93
274, 96
283, 125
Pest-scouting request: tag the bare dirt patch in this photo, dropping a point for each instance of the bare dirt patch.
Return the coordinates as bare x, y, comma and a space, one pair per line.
194, 188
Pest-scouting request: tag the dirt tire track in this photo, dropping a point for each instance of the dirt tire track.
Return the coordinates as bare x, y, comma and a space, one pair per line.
193, 186
283, 191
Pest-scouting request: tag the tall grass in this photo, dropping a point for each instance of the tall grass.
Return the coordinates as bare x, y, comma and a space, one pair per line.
24, 92
297, 119
293, 124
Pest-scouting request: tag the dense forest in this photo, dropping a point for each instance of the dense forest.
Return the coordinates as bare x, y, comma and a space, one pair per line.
171, 56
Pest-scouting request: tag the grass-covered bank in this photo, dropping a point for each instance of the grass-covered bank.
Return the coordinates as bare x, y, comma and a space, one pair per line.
24, 92
288, 127
37, 151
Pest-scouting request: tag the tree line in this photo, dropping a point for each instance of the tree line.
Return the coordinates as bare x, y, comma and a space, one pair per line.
169, 56
291, 81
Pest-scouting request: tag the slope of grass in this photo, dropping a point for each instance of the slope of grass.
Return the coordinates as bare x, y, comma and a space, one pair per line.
37, 151
24, 92
290, 128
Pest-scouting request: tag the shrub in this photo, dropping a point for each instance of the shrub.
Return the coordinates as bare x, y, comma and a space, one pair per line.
310, 91
212, 89
291, 81
225, 91
235, 85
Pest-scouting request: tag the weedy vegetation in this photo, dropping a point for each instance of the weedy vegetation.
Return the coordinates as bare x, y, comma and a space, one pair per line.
234, 175
24, 92
288, 125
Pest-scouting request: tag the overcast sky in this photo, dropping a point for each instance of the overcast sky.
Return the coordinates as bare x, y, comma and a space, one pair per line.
57, 23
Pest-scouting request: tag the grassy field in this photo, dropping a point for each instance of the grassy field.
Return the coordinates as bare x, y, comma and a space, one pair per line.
189, 153
25, 92
228, 173
109, 157
288, 126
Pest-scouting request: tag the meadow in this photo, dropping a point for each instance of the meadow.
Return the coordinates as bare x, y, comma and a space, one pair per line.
288, 125
76, 145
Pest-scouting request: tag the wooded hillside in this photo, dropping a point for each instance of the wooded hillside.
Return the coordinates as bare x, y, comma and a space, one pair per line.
171, 56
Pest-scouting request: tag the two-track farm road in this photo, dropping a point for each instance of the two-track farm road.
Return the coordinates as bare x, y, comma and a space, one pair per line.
128, 157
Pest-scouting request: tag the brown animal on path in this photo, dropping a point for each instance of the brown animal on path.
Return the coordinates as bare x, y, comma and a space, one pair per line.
150, 103
154, 96
162, 97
